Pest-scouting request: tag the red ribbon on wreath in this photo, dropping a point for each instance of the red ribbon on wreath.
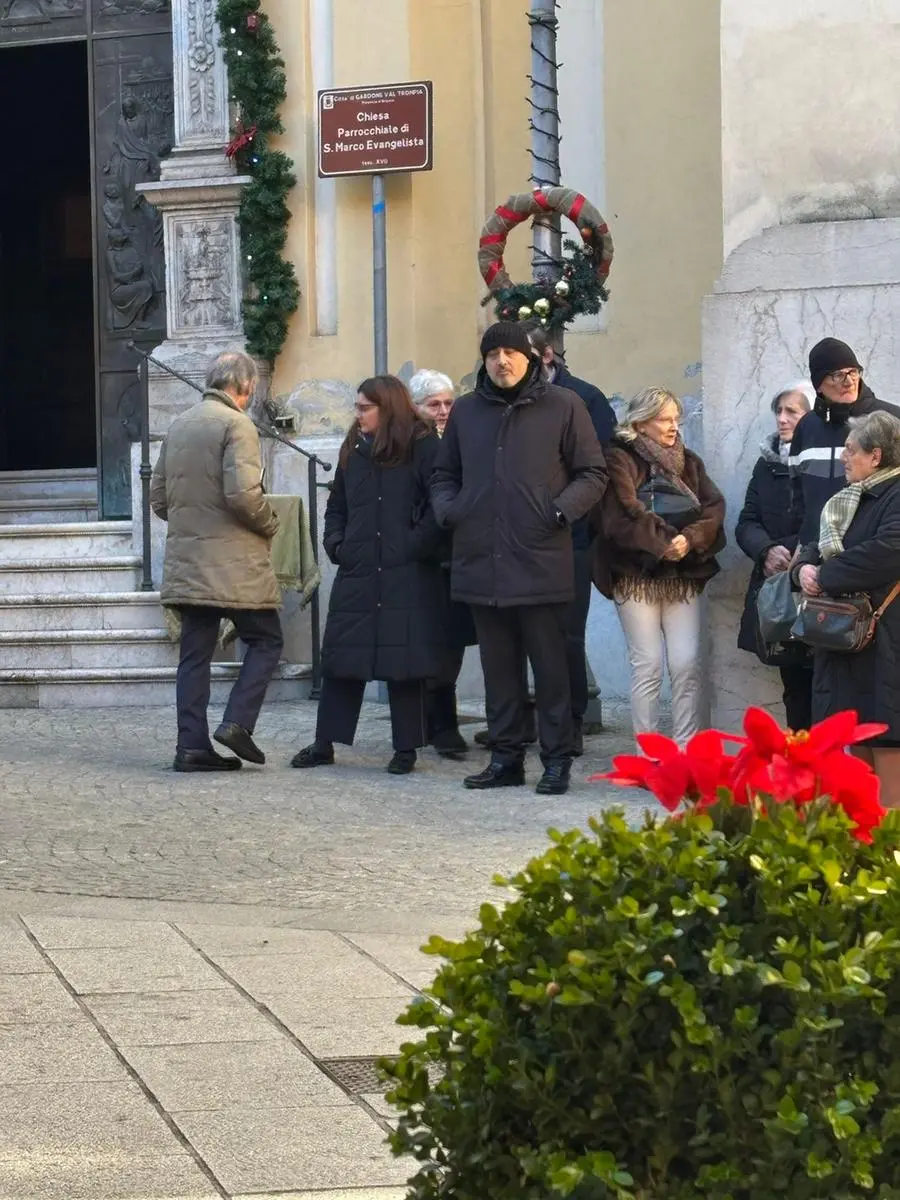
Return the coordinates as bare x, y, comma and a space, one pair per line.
242, 138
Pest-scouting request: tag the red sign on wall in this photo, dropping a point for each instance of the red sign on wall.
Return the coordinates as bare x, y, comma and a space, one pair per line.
375, 130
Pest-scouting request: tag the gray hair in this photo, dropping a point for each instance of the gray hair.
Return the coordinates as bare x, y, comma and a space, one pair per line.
425, 384
232, 370
644, 406
877, 431
802, 387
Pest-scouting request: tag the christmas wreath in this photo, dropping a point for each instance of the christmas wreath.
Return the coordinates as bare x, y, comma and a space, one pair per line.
581, 287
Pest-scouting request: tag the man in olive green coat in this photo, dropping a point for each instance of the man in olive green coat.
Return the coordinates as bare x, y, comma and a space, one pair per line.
208, 486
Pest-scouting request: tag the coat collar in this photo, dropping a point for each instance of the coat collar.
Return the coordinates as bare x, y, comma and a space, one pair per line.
531, 390
222, 397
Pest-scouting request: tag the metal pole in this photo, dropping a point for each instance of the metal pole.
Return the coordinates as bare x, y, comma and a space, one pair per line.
314, 609
545, 138
379, 259
146, 474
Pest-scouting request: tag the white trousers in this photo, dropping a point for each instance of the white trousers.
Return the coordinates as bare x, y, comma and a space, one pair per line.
649, 627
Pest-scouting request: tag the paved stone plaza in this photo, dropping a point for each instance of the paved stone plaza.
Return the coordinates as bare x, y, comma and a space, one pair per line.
187, 963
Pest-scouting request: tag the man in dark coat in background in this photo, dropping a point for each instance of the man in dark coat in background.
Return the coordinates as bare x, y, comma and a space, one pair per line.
817, 472
603, 418
519, 463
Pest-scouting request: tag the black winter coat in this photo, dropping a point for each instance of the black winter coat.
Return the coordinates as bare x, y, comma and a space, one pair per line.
817, 472
868, 682
503, 472
603, 418
766, 520
387, 612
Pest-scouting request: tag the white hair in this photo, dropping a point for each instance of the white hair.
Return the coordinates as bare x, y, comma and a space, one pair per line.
802, 386
425, 384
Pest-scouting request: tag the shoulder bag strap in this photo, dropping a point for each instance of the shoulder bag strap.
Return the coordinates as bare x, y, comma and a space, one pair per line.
888, 601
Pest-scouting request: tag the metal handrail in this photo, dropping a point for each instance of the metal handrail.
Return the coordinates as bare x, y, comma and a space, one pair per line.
267, 431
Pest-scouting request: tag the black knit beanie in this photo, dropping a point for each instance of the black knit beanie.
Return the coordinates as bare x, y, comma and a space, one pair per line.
508, 334
827, 356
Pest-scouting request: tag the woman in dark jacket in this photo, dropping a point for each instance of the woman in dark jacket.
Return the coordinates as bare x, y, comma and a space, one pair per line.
660, 525
386, 612
859, 551
767, 533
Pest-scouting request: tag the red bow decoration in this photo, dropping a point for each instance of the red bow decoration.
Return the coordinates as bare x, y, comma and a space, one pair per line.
242, 138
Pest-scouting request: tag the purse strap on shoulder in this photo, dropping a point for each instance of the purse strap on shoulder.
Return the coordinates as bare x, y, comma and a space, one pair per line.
888, 601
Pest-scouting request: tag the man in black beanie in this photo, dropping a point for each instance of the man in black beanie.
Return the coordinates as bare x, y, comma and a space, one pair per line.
519, 463
818, 439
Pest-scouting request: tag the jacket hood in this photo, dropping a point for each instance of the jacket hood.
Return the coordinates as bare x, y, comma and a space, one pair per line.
770, 453
838, 414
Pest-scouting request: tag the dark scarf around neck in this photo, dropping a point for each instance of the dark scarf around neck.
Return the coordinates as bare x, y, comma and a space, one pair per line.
665, 461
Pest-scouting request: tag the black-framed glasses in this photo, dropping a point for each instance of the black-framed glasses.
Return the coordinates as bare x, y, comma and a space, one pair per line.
851, 375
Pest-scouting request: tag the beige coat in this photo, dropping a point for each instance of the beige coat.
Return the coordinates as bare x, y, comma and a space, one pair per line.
208, 486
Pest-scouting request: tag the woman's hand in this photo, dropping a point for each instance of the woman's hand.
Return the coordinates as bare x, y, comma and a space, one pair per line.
677, 548
809, 580
778, 558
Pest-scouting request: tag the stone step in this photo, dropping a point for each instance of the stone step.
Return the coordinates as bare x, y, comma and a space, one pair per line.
80, 610
47, 576
76, 483
129, 687
88, 649
76, 539
36, 512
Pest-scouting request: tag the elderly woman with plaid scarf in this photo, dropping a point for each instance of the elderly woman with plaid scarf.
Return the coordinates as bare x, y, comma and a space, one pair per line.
859, 551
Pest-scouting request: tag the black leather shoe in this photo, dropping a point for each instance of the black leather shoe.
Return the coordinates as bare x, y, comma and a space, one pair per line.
497, 775
402, 763
555, 779
450, 743
205, 760
319, 754
238, 739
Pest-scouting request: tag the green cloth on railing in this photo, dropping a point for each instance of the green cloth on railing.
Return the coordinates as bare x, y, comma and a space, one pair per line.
293, 562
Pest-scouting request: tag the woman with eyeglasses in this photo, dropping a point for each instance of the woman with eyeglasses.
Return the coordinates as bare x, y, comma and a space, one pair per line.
817, 471
433, 394
386, 614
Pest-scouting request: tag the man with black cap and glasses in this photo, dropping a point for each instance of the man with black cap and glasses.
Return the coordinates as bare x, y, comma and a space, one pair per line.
817, 472
519, 463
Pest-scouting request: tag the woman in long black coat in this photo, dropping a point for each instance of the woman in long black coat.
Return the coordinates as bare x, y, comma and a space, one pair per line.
767, 533
386, 615
859, 551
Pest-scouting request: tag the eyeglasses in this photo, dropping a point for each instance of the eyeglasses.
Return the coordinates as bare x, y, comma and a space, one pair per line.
363, 408
851, 375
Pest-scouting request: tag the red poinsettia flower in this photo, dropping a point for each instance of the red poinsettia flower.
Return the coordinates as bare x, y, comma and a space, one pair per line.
694, 774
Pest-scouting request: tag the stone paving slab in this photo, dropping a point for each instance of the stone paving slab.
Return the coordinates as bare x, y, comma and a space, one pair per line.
84, 933
17, 954
345, 1028
35, 1000
181, 1018
343, 1194
401, 954
167, 969
73, 1053
347, 975
272, 1149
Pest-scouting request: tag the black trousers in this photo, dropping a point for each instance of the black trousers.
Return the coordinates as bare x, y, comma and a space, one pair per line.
260, 630
341, 701
441, 696
576, 629
797, 696
506, 638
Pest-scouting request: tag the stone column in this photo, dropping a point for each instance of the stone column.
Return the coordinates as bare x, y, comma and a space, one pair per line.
199, 195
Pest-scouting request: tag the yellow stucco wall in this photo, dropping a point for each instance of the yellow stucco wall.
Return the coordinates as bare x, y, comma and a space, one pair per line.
663, 170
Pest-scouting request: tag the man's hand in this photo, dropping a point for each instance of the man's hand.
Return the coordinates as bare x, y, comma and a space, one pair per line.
778, 558
809, 580
677, 548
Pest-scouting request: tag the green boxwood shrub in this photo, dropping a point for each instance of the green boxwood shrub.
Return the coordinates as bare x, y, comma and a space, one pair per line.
702, 1007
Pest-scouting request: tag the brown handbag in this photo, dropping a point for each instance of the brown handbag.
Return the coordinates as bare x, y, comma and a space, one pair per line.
844, 626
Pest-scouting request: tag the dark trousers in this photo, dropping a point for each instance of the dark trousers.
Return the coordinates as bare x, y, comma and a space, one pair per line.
506, 637
341, 702
260, 630
797, 696
576, 627
441, 696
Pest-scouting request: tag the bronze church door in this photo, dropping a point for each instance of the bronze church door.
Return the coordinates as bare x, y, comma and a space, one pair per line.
81, 263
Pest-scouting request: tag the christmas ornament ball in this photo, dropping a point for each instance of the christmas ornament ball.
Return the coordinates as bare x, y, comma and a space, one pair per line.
524, 312
562, 288
542, 306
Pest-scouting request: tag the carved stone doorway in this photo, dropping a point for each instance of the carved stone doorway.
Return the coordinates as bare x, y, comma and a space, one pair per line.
86, 93
47, 385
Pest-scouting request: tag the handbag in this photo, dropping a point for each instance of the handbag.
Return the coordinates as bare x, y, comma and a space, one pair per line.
664, 498
844, 625
776, 609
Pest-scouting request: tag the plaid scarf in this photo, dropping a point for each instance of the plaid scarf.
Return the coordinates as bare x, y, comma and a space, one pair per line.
840, 510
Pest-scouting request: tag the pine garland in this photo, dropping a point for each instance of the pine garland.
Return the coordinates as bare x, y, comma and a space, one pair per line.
554, 304
258, 87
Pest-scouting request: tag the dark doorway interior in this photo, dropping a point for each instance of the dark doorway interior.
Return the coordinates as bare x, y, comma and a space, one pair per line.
47, 389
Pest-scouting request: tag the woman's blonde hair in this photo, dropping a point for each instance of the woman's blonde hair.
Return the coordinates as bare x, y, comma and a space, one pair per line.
644, 406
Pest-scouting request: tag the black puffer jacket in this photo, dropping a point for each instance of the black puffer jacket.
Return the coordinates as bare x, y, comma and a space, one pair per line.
387, 612
870, 562
816, 468
766, 520
503, 471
